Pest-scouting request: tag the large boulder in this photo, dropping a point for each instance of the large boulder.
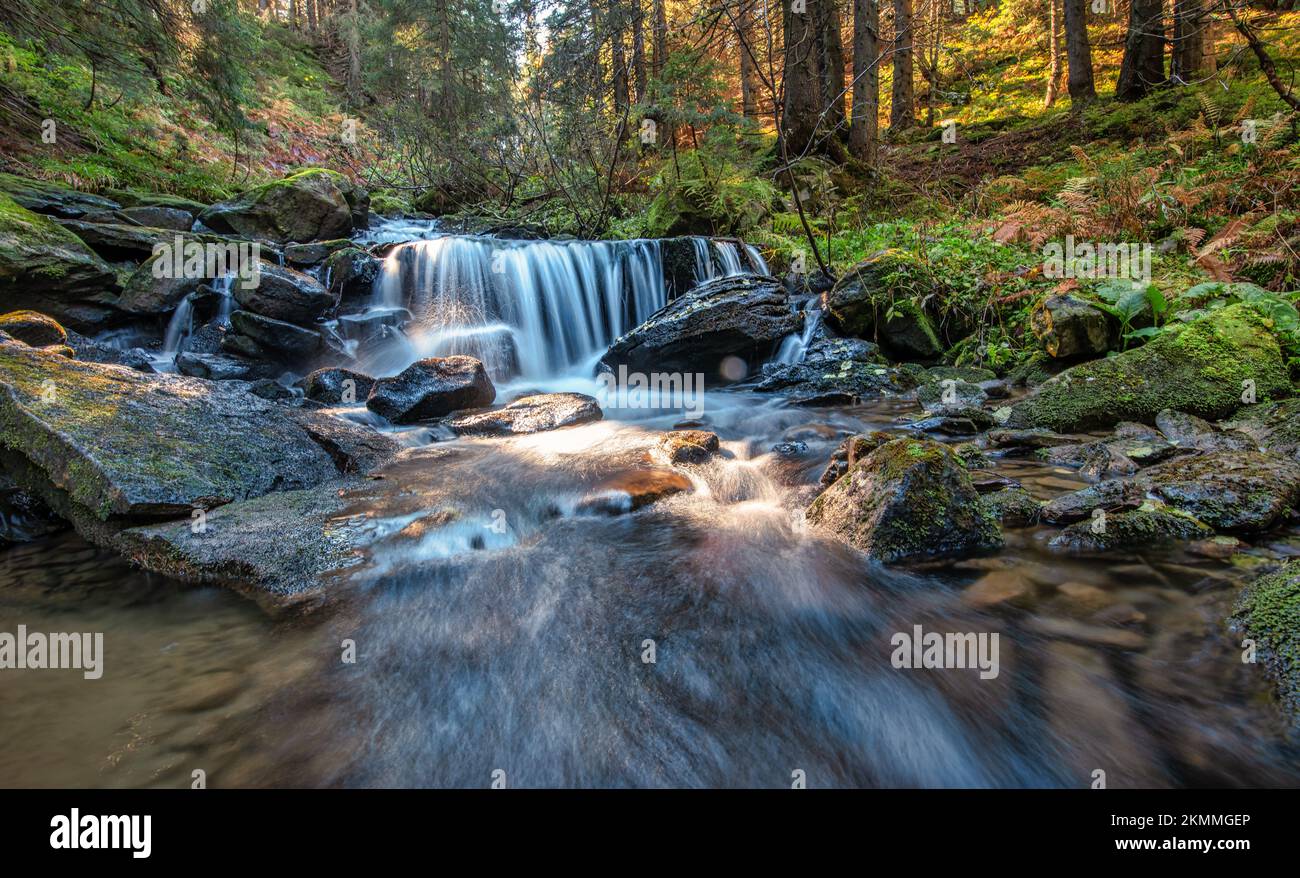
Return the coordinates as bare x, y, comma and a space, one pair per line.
530, 414
39, 196
284, 294
432, 388
1070, 328
45, 268
104, 444
877, 299
907, 500
1208, 368
1268, 612
1138, 529
278, 338
744, 317
155, 289
307, 206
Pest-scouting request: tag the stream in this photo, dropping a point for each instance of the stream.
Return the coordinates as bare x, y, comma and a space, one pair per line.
513, 644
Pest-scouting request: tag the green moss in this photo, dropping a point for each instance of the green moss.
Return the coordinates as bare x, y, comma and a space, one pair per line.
1268, 611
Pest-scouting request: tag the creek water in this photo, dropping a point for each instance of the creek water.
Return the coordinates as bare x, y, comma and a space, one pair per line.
509, 638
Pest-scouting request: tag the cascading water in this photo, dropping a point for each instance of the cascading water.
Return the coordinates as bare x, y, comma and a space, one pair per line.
181, 325
528, 309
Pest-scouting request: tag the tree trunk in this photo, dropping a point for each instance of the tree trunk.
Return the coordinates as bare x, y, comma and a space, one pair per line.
660, 38
750, 82
1054, 51
638, 49
618, 58
802, 76
1143, 67
830, 58
866, 80
354, 56
1187, 61
311, 14
1077, 52
900, 109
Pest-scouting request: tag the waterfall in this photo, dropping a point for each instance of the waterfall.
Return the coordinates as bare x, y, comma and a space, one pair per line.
795, 345
181, 325
527, 309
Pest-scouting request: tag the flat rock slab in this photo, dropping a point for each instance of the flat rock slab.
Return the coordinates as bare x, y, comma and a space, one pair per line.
123, 443
530, 414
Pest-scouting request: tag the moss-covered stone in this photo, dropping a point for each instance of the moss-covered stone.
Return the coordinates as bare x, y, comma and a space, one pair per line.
877, 299
307, 206
46, 268
1120, 531
1205, 369
1013, 507
1268, 612
41, 196
33, 328
908, 500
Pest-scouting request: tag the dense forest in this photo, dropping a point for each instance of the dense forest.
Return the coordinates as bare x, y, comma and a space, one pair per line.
639, 392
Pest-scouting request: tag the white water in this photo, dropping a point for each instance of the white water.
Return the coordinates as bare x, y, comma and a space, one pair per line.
530, 310
181, 325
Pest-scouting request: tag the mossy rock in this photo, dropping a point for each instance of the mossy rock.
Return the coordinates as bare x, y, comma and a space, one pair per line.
45, 268
109, 443
1268, 612
33, 328
907, 500
1012, 507
1122, 531
1208, 368
307, 206
876, 299
40, 196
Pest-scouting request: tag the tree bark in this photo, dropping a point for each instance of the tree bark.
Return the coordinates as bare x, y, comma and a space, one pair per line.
638, 49
866, 81
801, 76
750, 81
1078, 53
1054, 51
830, 56
1187, 61
1143, 67
660, 38
900, 109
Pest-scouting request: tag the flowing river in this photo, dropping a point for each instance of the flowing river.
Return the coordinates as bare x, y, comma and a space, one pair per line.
706, 640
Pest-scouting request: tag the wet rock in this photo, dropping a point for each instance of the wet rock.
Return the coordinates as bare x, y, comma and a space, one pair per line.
1093, 459
24, 516
1119, 531
685, 446
33, 328
790, 449
1181, 428
832, 365
93, 352
1013, 507
1235, 491
998, 587
285, 294
307, 255
907, 500
285, 341
530, 414
949, 393
632, 490
1003, 438
971, 456
1089, 635
268, 388
137, 243
40, 196
350, 273
849, 452
432, 388
1084, 598
173, 218
47, 269
77, 427
332, 387
150, 291
744, 317
1070, 328
1274, 426
307, 206
1268, 612
1204, 369
221, 367
1111, 495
